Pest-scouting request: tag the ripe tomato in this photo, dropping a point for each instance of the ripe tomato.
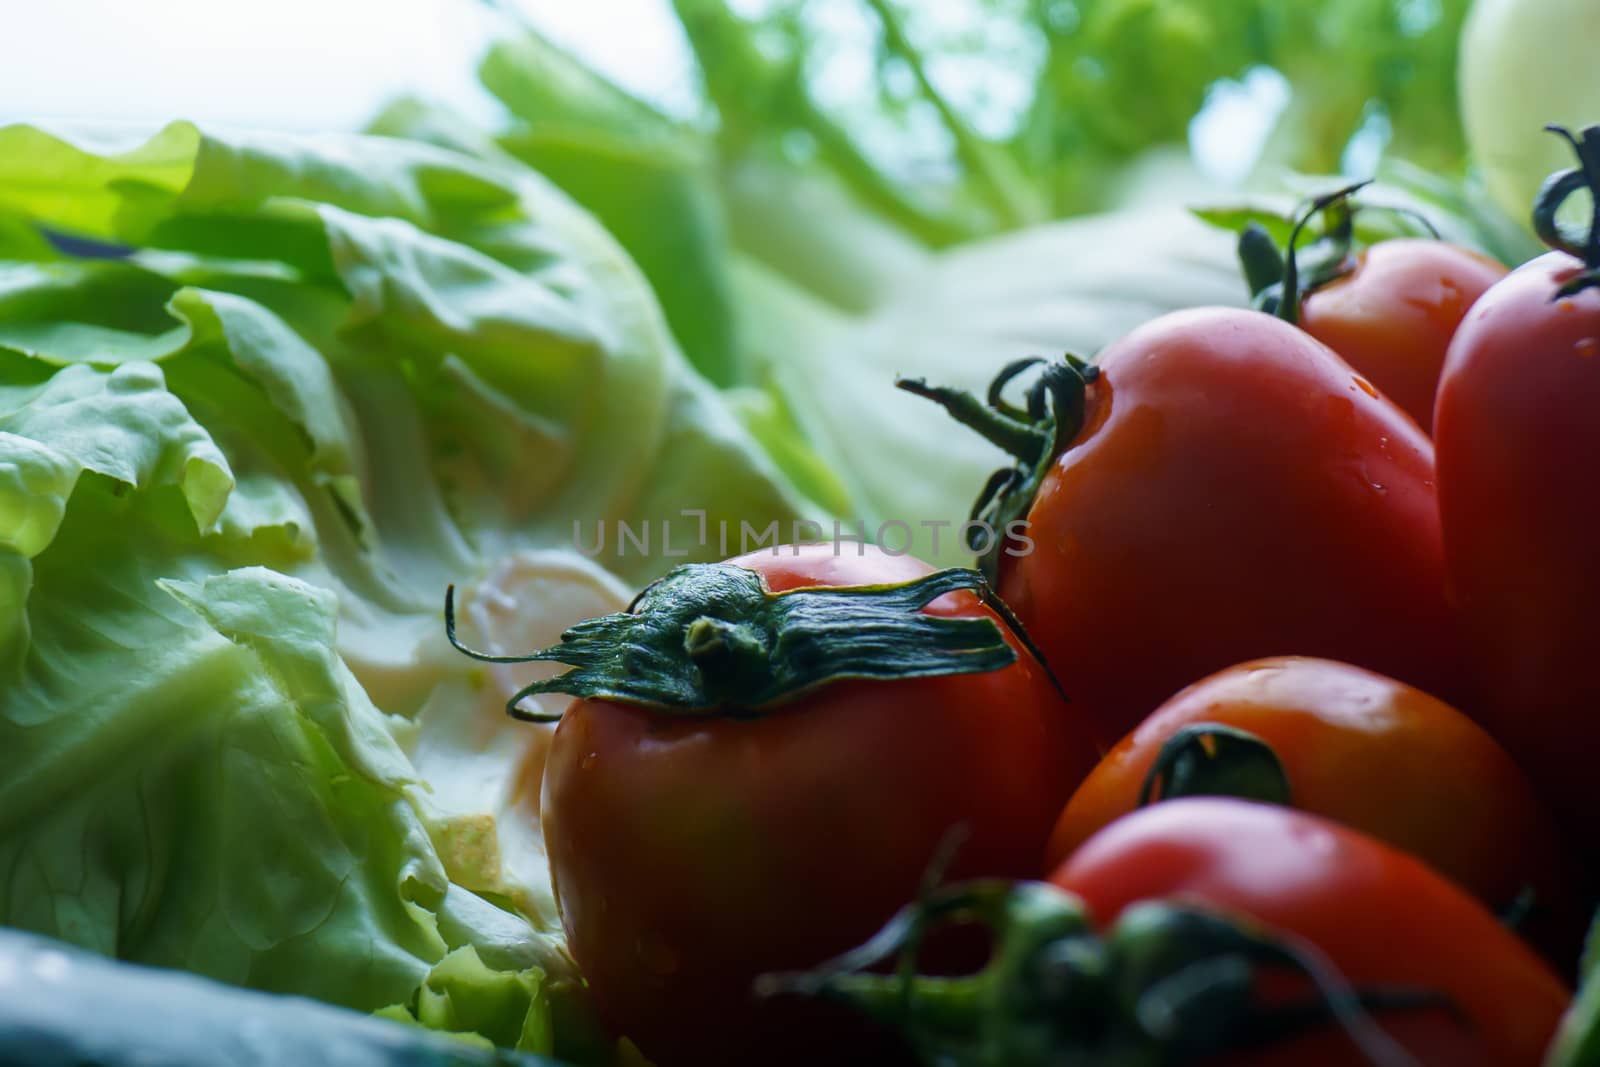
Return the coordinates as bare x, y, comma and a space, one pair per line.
1392, 315
1379, 916
1373, 754
691, 855
1230, 490
1519, 452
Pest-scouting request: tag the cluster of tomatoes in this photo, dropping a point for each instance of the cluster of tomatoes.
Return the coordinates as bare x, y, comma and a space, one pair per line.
1356, 540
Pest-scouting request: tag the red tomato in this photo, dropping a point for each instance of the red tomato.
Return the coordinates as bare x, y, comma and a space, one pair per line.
1518, 427
1381, 917
689, 857
1234, 491
1393, 315
1373, 754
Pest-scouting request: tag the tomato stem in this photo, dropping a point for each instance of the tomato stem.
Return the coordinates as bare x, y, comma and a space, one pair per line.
999, 427
969, 1012
1340, 232
1167, 984
1035, 435
710, 640
1279, 280
1554, 193
1210, 759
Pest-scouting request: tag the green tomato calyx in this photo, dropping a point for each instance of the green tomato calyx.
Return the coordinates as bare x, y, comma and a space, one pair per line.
1212, 760
710, 640
1057, 403
1168, 984
1280, 279
1555, 191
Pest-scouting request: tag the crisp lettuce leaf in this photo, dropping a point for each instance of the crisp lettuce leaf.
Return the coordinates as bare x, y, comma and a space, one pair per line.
461, 995
316, 380
1577, 1039
832, 302
891, 221
1070, 286
959, 120
60, 1005
648, 179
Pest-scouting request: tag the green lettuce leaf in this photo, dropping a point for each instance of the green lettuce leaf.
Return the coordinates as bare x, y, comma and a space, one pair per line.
62, 1006
891, 189
240, 459
964, 119
1072, 286
831, 302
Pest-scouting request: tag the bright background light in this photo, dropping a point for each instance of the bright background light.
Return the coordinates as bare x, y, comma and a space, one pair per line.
333, 64
297, 64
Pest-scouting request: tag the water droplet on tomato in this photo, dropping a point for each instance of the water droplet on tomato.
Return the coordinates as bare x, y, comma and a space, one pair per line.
1587, 347
1364, 385
589, 761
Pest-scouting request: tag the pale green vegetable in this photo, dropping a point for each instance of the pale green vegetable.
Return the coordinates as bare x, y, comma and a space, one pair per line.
812, 233
1526, 63
958, 120
1577, 1040
1075, 285
315, 380
61, 1007
833, 301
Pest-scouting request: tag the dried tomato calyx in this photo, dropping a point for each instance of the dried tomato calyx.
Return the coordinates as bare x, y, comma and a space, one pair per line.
709, 640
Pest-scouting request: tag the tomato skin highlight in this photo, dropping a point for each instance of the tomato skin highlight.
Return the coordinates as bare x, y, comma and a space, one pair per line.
1235, 491
1393, 316
690, 857
1381, 917
1519, 454
1373, 754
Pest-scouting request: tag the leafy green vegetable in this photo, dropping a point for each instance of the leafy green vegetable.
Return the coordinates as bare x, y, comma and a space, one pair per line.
831, 300
238, 465
462, 995
644, 177
870, 189
1577, 1040
966, 118
1075, 285
60, 1007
